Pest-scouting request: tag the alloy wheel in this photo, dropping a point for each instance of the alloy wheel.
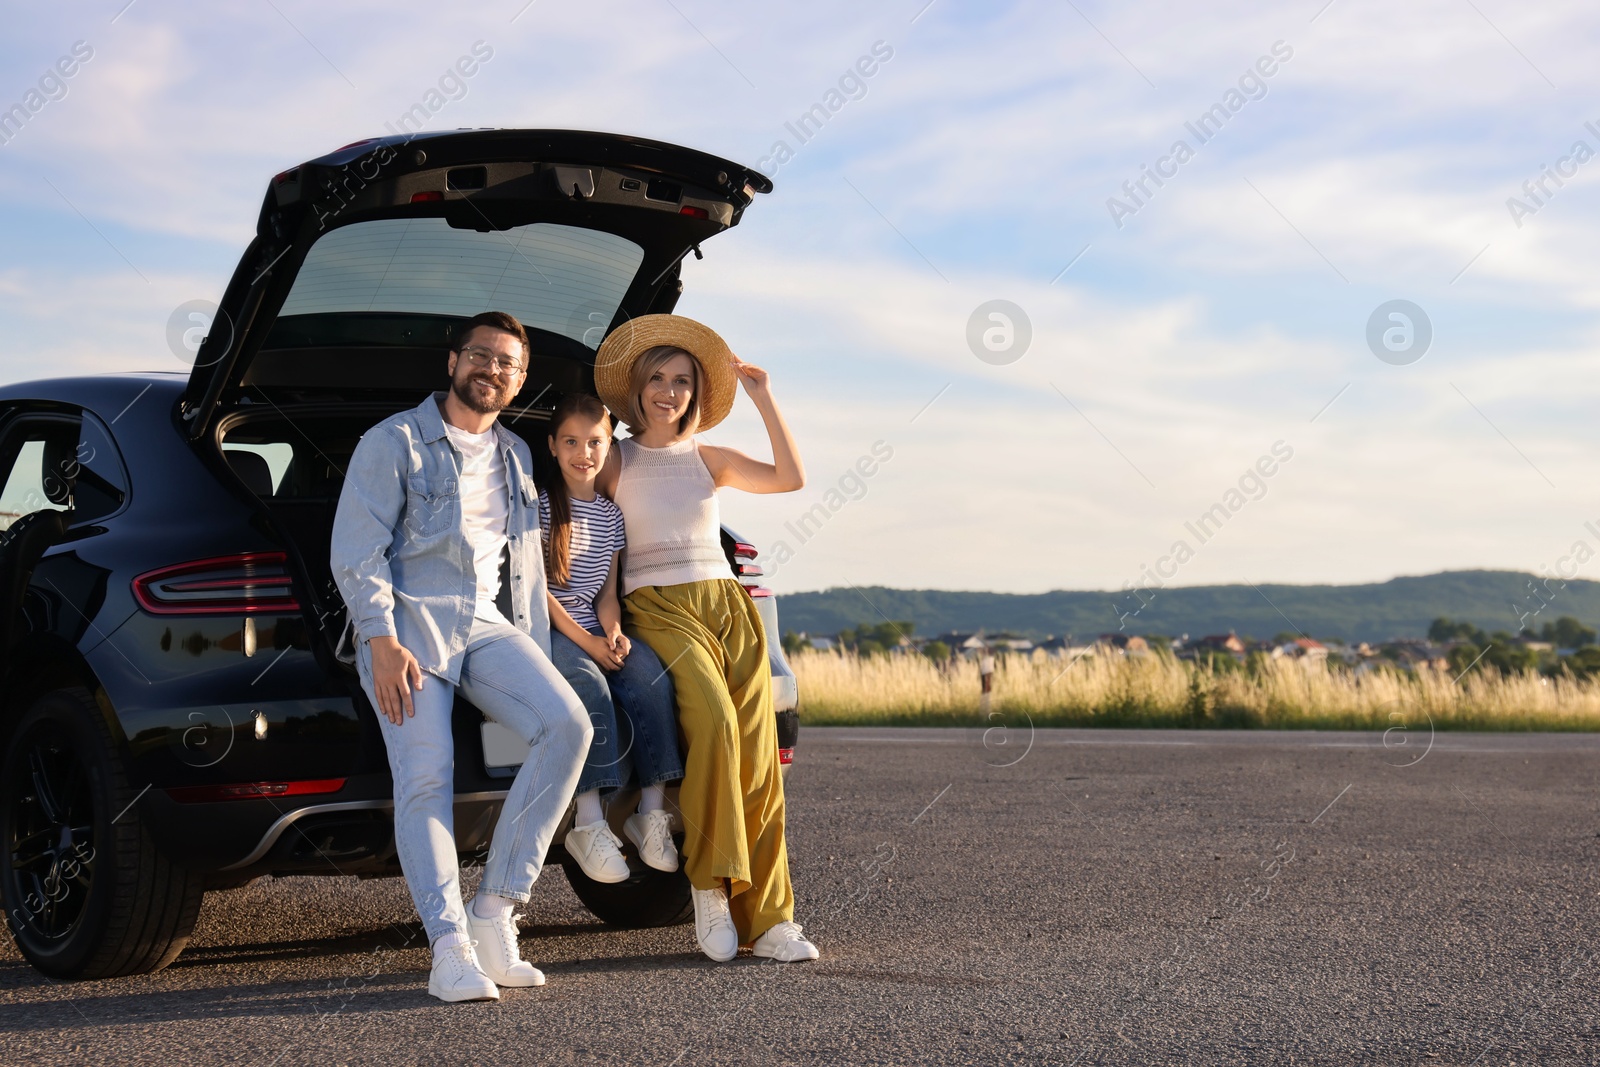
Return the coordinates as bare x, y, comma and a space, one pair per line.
51, 832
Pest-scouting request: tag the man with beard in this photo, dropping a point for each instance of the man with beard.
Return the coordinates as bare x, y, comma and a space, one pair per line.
438, 505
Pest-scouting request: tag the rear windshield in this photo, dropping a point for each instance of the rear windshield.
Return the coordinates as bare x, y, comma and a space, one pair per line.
564, 279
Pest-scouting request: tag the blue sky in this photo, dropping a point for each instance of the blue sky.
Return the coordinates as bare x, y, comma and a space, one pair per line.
974, 165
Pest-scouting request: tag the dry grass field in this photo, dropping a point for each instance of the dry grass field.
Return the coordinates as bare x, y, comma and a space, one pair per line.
1157, 690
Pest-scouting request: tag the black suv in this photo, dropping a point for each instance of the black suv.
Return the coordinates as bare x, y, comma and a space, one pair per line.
173, 716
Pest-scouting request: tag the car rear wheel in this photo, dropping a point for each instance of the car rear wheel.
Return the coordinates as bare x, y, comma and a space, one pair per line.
85, 891
648, 898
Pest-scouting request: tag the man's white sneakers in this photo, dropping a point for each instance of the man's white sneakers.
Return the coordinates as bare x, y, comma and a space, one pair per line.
598, 852
713, 924
498, 955
651, 834
456, 975
785, 944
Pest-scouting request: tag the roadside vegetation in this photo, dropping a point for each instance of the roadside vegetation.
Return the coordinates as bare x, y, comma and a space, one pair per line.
1108, 688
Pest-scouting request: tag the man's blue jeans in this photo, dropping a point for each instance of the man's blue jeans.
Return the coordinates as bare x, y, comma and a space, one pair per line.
633, 711
507, 677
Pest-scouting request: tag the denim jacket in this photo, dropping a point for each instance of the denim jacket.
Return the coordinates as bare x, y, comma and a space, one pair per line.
400, 555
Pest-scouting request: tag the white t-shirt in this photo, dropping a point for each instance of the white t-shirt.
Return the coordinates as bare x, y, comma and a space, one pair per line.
485, 506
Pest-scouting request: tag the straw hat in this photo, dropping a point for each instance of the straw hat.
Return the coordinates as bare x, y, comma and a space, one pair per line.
613, 364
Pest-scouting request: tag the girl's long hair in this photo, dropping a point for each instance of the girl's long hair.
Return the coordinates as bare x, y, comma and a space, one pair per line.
558, 546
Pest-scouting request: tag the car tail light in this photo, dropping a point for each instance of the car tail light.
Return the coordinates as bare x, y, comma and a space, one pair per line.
785, 756
249, 583
694, 212
742, 551
427, 197
205, 794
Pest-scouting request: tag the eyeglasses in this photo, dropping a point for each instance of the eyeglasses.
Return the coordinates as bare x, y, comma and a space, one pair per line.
482, 357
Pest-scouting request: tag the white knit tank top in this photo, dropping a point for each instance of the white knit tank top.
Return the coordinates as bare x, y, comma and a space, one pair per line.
669, 508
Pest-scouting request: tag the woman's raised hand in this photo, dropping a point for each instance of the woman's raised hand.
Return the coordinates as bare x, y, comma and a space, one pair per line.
730, 467
752, 377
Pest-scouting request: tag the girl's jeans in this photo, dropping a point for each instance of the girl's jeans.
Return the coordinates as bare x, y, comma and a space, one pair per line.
643, 738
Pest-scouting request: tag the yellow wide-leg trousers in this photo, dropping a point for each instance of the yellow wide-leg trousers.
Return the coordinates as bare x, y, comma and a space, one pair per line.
709, 635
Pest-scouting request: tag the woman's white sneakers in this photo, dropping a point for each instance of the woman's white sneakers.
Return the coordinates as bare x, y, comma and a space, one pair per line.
785, 944
598, 852
498, 955
714, 930
456, 975
713, 924
651, 834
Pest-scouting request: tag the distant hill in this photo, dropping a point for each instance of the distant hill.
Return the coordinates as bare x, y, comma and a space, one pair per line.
1400, 607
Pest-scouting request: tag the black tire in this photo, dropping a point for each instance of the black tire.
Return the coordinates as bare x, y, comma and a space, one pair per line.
85, 891
648, 898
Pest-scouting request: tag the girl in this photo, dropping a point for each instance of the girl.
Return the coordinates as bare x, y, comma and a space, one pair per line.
668, 377
583, 537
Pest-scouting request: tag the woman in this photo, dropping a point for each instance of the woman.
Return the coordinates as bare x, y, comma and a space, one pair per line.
668, 377
626, 691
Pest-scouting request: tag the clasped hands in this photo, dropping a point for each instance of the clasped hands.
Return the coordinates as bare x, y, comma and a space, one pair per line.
609, 649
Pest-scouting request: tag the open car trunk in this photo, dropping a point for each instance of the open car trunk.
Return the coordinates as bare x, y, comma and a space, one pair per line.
366, 262
389, 243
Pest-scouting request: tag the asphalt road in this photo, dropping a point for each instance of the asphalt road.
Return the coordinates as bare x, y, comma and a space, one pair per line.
1107, 897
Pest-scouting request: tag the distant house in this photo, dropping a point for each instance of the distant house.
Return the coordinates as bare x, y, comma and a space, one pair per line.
1063, 647
821, 644
1414, 653
1125, 644
1305, 648
962, 643
1349, 653
1228, 642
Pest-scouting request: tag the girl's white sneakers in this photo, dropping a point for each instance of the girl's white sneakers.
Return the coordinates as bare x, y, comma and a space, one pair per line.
598, 852
651, 834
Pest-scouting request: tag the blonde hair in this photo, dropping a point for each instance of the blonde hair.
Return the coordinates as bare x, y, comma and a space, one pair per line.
648, 362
